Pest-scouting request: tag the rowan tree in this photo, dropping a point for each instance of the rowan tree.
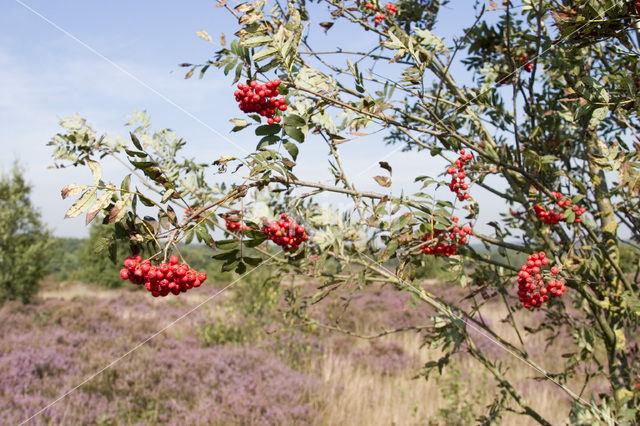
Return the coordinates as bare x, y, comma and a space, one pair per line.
549, 126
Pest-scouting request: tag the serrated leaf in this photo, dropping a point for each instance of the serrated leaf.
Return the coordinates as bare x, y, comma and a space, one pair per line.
226, 244
294, 133
202, 232
96, 170
292, 149
294, 120
267, 129
82, 204
264, 54
256, 41
102, 202
72, 189
383, 181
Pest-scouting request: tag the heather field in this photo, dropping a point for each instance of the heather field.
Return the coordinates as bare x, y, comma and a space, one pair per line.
237, 360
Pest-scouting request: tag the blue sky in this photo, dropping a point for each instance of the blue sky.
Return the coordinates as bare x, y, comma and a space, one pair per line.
46, 74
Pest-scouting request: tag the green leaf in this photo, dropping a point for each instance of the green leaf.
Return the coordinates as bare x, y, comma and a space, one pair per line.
253, 261
229, 266
142, 164
267, 129
132, 153
241, 268
294, 133
597, 116
264, 54
292, 149
253, 243
294, 120
136, 141
270, 65
226, 244
268, 140
202, 232
124, 186
227, 255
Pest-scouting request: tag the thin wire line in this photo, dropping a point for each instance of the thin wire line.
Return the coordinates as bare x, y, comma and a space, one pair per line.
491, 339
130, 351
440, 120
129, 74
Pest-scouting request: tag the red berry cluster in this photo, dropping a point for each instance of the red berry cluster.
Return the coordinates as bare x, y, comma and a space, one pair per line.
235, 226
379, 17
528, 66
285, 233
163, 279
551, 217
261, 98
532, 289
458, 184
446, 241
391, 8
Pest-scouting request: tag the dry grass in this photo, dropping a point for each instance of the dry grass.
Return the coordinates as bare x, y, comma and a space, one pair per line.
363, 396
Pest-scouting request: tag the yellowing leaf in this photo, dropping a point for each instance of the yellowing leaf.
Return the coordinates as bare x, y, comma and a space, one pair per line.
383, 181
118, 211
82, 204
72, 189
102, 202
204, 35
96, 170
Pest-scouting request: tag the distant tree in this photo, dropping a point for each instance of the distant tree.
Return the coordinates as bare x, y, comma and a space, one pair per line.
24, 242
95, 264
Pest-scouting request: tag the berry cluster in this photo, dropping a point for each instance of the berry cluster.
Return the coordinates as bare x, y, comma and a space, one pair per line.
552, 217
285, 233
261, 98
458, 184
446, 241
528, 66
235, 226
379, 17
532, 289
391, 8
163, 279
